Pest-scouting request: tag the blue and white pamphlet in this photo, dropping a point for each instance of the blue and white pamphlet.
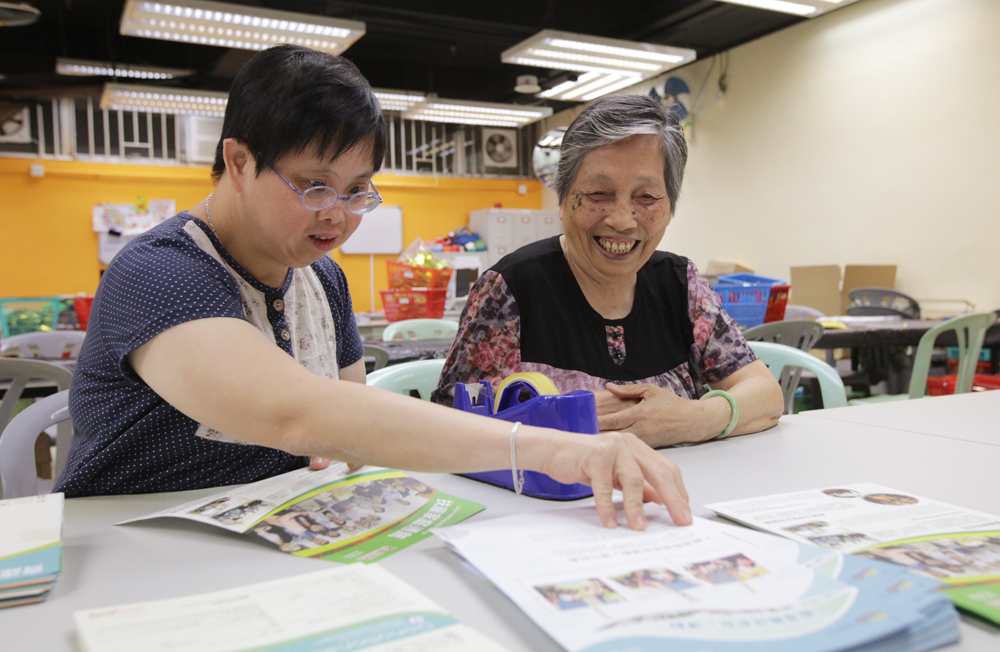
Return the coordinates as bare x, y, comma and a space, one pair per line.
30, 548
708, 586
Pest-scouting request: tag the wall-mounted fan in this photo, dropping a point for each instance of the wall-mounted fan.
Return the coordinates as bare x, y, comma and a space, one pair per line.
500, 148
15, 125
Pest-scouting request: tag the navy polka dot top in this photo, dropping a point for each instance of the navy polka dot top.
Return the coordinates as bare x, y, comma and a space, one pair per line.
129, 440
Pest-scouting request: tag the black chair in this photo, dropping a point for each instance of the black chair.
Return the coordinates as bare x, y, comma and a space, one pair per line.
882, 301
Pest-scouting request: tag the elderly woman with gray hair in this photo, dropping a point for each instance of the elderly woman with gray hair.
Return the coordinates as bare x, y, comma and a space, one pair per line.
600, 308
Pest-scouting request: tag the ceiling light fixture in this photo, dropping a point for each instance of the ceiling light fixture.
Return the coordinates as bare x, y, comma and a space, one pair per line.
808, 8
607, 64
236, 26
82, 67
527, 84
17, 14
154, 99
476, 113
393, 100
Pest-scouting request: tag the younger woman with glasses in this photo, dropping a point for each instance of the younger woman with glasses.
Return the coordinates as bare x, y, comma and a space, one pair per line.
222, 346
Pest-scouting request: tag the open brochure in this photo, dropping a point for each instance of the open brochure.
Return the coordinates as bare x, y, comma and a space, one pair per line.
30, 548
958, 546
708, 586
330, 514
346, 608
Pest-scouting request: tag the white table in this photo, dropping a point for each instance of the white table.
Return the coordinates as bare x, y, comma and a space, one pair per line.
106, 565
968, 417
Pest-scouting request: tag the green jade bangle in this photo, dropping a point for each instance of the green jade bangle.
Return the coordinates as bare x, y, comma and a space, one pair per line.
732, 404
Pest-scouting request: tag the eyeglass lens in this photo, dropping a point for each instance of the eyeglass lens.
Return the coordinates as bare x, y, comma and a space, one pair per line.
322, 197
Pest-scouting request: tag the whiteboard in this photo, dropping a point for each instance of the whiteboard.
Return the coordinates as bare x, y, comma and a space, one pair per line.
380, 232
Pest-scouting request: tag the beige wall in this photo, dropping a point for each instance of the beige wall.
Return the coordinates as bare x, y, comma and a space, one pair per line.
868, 135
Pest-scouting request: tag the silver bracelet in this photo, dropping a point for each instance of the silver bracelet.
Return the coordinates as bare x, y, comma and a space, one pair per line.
518, 475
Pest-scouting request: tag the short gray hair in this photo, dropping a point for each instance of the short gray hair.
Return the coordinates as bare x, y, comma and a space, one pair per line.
612, 119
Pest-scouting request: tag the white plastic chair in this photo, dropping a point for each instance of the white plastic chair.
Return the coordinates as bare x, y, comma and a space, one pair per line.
419, 377
17, 446
420, 329
46, 345
19, 373
779, 356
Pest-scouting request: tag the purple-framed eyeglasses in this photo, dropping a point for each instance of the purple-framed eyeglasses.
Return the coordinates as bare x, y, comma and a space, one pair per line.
318, 198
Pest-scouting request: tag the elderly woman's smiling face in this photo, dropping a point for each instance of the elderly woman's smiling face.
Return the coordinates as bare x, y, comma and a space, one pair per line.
617, 209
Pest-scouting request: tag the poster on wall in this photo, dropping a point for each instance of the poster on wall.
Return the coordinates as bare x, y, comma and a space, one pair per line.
132, 219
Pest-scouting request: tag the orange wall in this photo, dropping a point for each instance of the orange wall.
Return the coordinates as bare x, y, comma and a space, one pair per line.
47, 246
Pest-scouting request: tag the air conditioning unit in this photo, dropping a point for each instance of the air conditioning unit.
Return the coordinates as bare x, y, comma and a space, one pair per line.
16, 128
500, 148
202, 137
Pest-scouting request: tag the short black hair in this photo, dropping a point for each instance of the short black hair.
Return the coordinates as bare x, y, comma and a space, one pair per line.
288, 98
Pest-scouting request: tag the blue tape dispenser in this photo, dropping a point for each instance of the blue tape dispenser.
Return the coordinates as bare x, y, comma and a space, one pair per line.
532, 399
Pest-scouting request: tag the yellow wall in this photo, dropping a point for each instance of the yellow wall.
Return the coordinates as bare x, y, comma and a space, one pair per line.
47, 246
431, 208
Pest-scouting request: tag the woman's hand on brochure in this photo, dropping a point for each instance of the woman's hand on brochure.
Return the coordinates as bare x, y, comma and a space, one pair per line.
619, 460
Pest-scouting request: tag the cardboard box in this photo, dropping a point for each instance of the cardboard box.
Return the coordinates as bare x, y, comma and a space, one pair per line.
817, 286
865, 276
717, 268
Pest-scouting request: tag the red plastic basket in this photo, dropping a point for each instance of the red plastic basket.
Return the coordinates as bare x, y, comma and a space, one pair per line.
943, 385
82, 307
414, 303
403, 276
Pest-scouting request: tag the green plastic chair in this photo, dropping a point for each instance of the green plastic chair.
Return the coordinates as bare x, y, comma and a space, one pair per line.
970, 331
799, 334
418, 378
779, 356
420, 329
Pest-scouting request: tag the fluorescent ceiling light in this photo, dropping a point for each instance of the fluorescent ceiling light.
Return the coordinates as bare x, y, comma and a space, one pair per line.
608, 64
810, 8
83, 67
392, 100
476, 113
236, 26
155, 99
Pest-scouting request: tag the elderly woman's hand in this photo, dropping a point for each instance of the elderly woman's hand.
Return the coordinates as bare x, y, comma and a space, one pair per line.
656, 415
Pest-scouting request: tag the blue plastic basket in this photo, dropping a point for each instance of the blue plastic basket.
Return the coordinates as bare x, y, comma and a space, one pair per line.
29, 315
572, 412
752, 300
746, 304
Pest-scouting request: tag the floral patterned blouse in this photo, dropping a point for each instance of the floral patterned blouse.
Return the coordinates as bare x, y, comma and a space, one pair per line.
528, 313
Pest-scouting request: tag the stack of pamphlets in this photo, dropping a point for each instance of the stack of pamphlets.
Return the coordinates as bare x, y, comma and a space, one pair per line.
958, 546
346, 608
708, 586
30, 548
331, 514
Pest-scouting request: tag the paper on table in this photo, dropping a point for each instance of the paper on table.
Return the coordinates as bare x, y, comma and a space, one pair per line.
935, 539
330, 514
344, 608
706, 586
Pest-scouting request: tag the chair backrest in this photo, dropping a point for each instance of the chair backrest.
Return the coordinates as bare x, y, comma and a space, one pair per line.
420, 329
882, 301
19, 373
381, 355
17, 445
800, 334
779, 356
802, 313
419, 377
52, 345
970, 330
